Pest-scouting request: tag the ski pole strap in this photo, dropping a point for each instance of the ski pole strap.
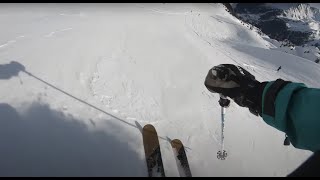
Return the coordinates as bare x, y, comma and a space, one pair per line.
270, 97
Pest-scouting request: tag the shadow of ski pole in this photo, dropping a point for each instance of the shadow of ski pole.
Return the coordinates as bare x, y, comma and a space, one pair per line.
80, 100
137, 125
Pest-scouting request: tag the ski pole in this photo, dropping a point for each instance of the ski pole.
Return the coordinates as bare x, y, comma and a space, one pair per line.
224, 102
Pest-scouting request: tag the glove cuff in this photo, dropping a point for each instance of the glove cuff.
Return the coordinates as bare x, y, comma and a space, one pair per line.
253, 98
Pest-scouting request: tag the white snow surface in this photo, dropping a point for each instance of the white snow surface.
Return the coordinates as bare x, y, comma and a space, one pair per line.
79, 81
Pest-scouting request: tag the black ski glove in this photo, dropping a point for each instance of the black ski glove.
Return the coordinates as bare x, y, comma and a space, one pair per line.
238, 84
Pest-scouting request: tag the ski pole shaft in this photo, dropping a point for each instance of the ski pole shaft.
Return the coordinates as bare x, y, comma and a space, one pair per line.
224, 102
223, 112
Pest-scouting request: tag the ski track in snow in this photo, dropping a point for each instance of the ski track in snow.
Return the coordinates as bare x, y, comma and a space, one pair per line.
160, 11
11, 42
127, 99
76, 15
197, 27
55, 32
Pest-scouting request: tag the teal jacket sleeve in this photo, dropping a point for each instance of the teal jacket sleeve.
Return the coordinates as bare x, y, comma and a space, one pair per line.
293, 109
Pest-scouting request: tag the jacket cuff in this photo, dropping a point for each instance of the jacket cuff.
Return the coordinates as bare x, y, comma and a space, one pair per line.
280, 105
270, 96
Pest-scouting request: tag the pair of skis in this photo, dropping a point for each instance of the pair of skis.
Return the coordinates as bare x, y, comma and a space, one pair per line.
153, 154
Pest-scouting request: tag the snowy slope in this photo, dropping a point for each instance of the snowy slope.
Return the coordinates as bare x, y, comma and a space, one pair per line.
79, 81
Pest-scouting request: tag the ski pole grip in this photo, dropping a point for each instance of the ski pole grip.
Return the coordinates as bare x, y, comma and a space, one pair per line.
223, 101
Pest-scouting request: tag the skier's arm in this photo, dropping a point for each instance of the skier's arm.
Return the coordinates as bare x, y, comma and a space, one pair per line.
294, 109
289, 107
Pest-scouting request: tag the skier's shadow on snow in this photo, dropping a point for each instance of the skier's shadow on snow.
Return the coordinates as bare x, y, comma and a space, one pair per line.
10, 70
41, 141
